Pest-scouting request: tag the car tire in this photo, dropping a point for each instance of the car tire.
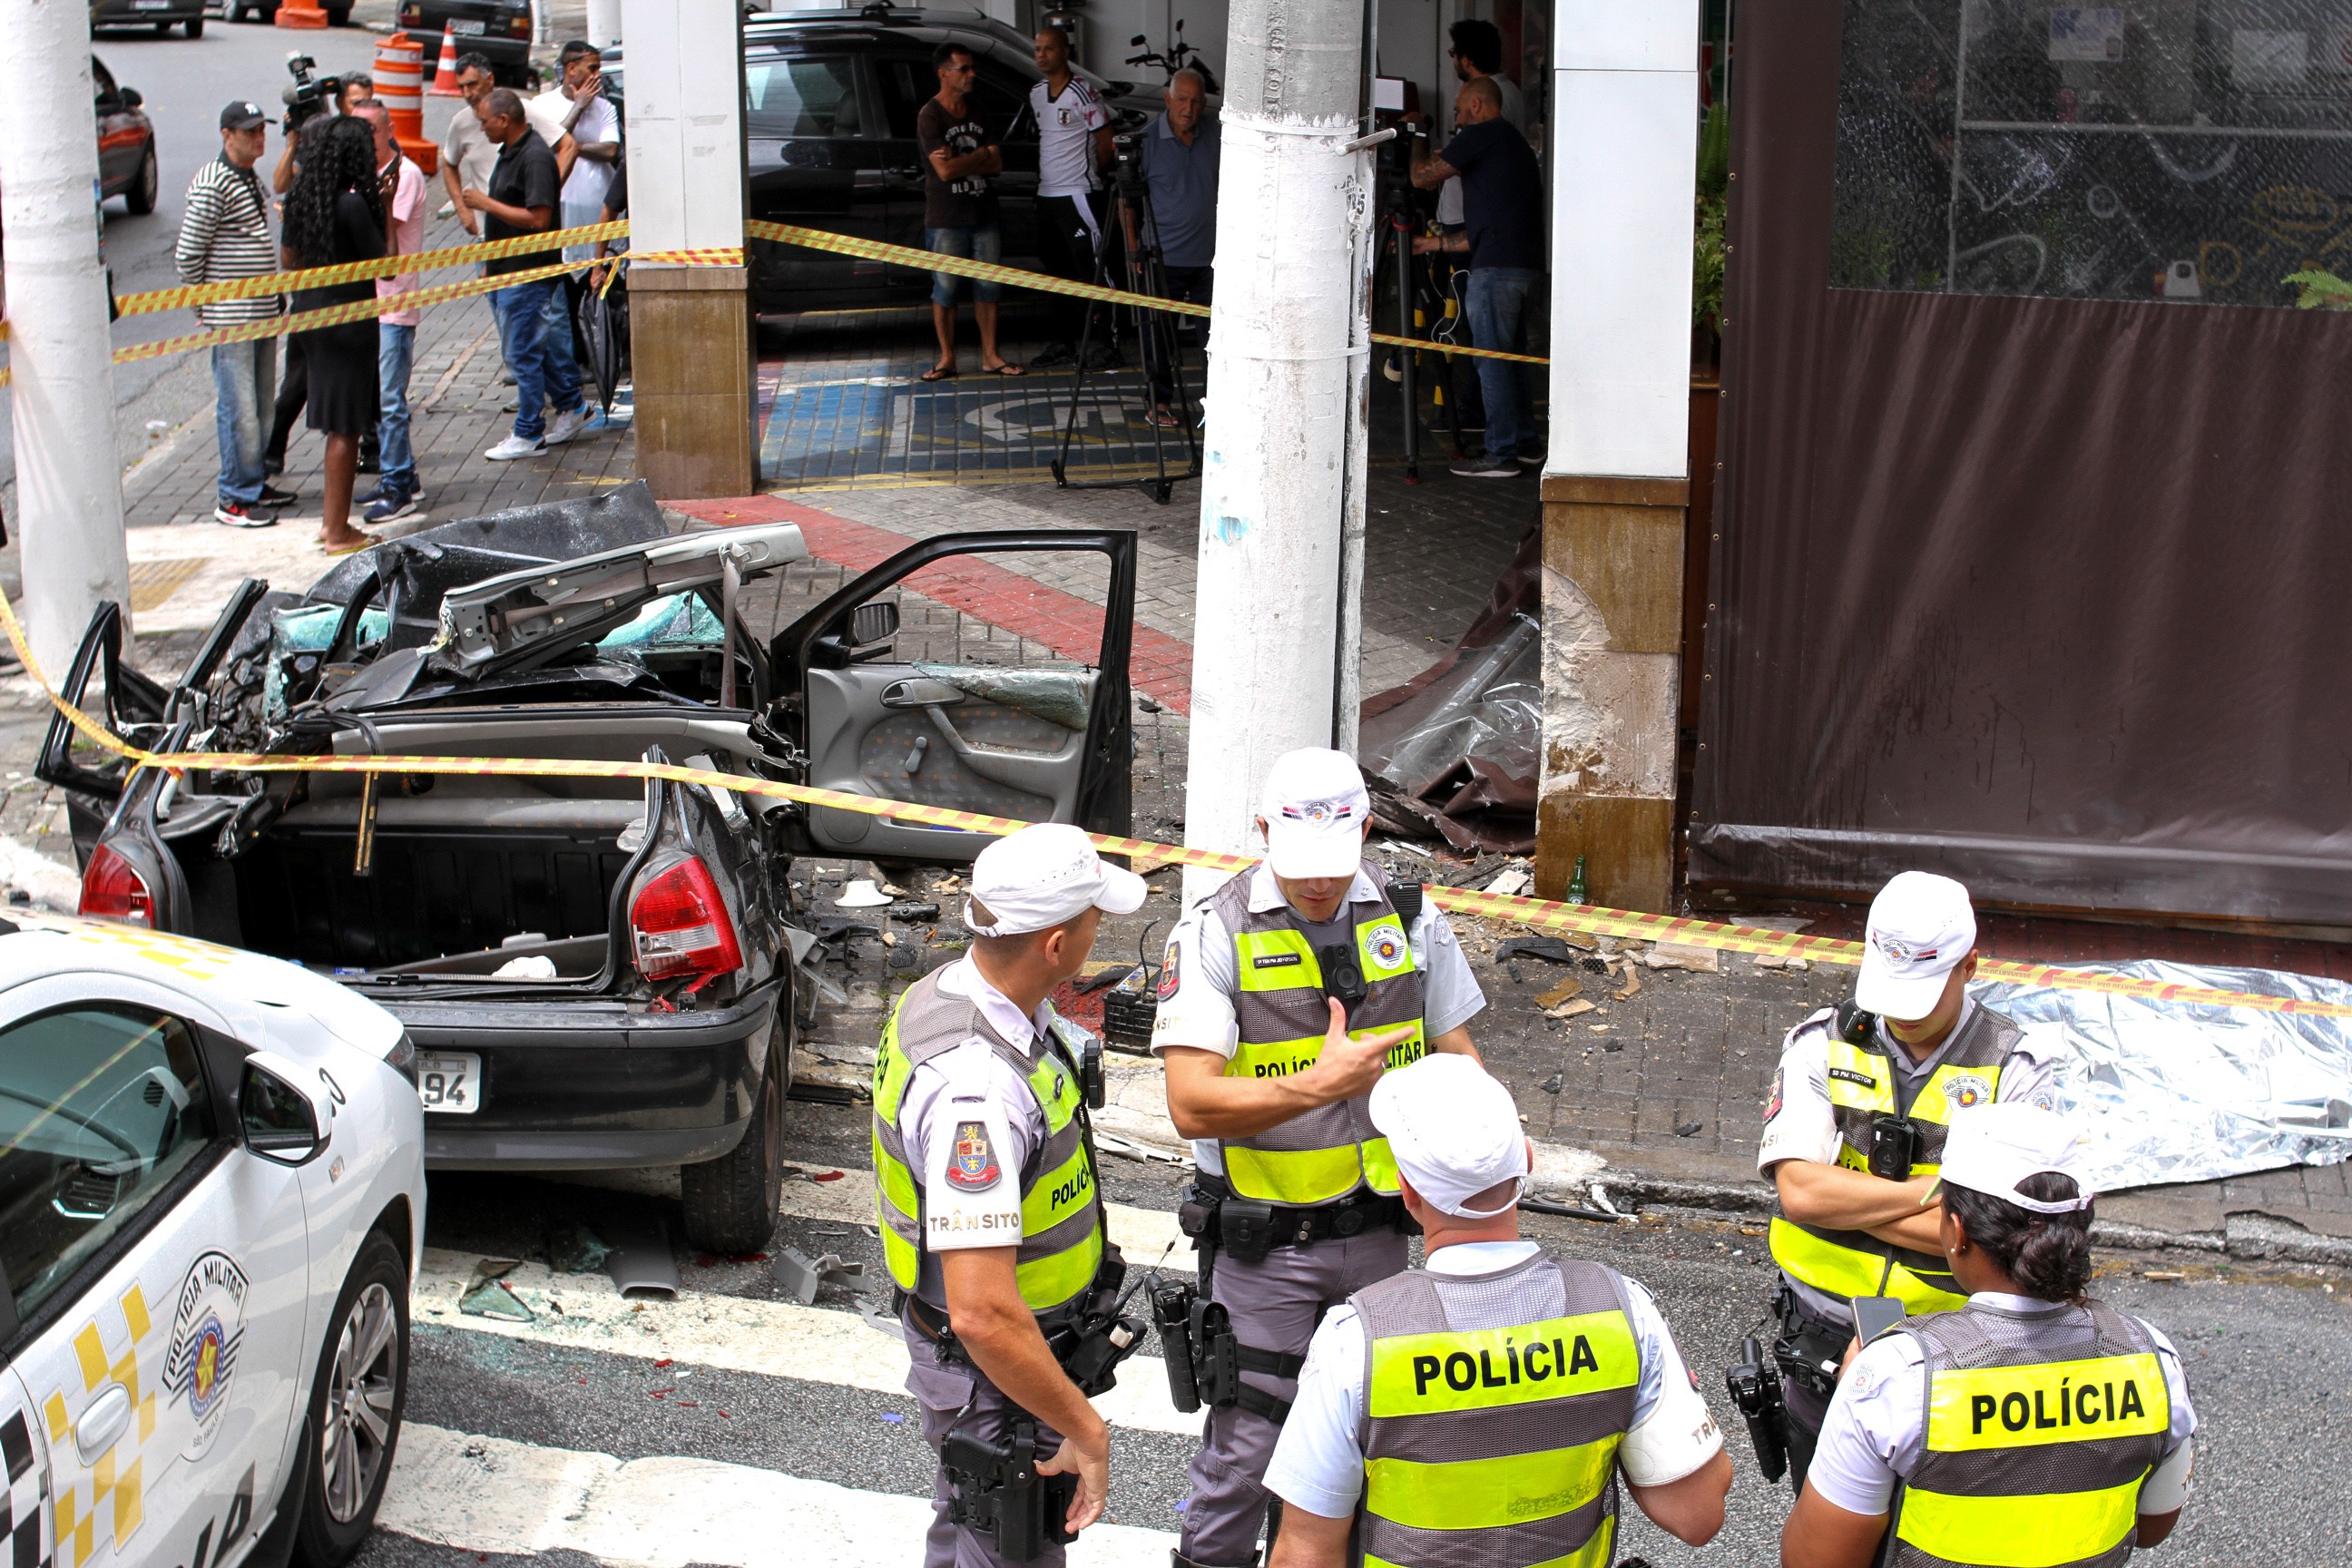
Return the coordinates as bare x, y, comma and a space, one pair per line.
195, 27
731, 1201
363, 1373
139, 196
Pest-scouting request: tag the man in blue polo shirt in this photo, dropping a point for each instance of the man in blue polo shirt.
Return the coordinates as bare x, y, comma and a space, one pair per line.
1502, 202
1180, 168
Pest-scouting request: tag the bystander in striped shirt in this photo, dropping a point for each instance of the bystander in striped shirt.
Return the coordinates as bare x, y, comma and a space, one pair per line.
225, 235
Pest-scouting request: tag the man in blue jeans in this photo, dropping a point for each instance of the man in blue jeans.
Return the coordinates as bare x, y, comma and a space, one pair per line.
961, 158
1502, 204
522, 200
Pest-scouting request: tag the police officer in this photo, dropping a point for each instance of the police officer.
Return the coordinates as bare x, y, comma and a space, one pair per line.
1855, 1126
1284, 997
1504, 1390
2033, 1426
984, 1175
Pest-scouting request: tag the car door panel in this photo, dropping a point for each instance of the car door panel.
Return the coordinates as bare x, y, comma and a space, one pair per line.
1036, 744
25, 1527
166, 1370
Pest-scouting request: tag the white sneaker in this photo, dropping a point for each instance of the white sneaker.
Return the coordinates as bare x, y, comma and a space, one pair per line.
514, 446
564, 427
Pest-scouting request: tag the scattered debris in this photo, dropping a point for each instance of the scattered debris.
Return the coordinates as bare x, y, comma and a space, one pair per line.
1560, 993
639, 1259
1552, 1084
1574, 1007
1633, 986
536, 966
800, 1275
1685, 1129
1511, 883
2163, 1274
573, 1249
1595, 965
1550, 949
1103, 979
487, 1294
914, 913
861, 894
1681, 955
1780, 960
1146, 703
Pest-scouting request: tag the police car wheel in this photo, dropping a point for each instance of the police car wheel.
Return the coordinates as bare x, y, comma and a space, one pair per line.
356, 1402
730, 1202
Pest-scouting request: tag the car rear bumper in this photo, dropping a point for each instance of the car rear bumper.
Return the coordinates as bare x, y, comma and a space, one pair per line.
596, 1086
499, 48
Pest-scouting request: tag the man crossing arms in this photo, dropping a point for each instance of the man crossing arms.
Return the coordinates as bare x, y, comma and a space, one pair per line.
1284, 997
983, 1173
1481, 1410
1856, 1125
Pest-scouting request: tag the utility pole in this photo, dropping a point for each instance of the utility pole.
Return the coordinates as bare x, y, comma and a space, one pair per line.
68, 482
1277, 629
690, 328
603, 23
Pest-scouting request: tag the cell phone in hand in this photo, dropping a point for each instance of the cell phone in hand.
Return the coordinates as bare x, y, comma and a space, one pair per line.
1873, 1315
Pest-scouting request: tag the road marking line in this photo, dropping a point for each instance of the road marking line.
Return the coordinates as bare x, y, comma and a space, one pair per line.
488, 1494
770, 1339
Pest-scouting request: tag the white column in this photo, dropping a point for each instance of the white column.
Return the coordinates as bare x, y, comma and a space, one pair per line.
686, 123
604, 22
1275, 641
1625, 146
68, 482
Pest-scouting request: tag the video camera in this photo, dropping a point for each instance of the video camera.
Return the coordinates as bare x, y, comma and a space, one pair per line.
1127, 161
311, 95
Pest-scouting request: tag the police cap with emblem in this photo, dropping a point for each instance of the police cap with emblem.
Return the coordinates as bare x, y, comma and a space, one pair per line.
1455, 1133
1045, 874
1315, 807
1921, 926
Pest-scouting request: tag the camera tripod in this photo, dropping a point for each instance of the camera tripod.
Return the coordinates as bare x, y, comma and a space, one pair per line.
1134, 233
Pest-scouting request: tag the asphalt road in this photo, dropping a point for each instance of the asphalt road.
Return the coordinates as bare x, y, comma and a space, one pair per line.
583, 1435
185, 82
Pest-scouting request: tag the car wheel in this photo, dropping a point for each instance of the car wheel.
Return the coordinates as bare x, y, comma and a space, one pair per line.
141, 195
731, 1201
356, 1401
195, 27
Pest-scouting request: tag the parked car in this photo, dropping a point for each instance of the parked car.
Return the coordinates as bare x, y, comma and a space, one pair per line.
598, 973
830, 101
126, 141
160, 14
266, 12
499, 29
211, 1202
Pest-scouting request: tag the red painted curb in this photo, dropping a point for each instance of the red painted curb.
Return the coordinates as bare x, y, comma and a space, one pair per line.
1159, 666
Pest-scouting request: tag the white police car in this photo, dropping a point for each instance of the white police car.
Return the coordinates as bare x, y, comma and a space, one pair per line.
212, 1196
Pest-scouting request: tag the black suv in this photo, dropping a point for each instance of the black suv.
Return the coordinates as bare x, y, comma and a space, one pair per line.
830, 101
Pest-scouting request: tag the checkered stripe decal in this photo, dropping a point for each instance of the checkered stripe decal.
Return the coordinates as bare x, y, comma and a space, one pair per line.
24, 1521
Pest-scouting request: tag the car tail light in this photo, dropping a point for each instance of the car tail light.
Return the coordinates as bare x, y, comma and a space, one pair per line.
518, 26
112, 889
679, 926
411, 14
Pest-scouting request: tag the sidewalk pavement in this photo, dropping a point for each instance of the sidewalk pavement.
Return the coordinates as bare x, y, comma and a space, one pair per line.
1664, 1082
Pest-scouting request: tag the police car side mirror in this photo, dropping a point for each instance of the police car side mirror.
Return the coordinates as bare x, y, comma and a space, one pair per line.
281, 1120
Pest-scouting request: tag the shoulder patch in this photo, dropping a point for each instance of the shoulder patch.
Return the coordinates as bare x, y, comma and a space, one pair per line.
1171, 970
972, 1166
1772, 1103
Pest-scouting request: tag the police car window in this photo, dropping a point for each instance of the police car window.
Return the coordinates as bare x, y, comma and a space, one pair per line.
799, 95
99, 1108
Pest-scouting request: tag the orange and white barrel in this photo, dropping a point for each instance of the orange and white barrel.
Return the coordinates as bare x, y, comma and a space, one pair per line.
400, 83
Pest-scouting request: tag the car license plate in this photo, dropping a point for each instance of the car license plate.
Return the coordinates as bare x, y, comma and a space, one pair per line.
449, 1081
463, 27
150, 4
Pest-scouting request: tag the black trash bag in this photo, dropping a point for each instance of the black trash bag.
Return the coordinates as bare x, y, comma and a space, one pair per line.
602, 319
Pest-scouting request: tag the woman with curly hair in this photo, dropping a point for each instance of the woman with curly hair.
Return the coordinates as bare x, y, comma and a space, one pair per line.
335, 214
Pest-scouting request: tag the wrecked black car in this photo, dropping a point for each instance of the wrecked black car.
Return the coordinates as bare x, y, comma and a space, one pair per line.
597, 972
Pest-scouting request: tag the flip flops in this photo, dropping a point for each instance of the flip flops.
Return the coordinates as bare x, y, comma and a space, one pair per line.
938, 372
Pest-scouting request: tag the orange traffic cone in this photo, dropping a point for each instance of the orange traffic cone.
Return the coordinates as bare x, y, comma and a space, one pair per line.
445, 75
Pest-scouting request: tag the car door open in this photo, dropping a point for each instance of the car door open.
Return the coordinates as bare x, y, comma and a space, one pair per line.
942, 679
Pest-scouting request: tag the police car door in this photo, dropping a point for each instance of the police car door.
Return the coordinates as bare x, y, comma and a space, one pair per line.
25, 1524
158, 1270
962, 673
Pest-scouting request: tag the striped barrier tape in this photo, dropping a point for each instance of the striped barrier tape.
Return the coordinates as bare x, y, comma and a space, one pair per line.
997, 272
192, 294
1582, 919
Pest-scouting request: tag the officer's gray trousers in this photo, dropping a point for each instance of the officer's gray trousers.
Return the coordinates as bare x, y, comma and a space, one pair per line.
1274, 1306
942, 1392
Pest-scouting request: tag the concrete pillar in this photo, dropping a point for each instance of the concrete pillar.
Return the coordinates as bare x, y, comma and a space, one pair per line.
604, 22
1275, 636
69, 481
690, 328
1616, 486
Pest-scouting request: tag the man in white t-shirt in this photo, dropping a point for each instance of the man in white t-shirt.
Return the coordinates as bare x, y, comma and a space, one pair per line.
1073, 146
577, 121
1422, 1392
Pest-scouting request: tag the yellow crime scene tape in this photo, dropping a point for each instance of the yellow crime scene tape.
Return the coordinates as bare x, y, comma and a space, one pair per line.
1583, 919
194, 294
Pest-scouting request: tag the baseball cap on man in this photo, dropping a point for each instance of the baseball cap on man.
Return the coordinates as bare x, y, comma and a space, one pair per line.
1993, 1149
1921, 926
1454, 1131
1315, 807
1045, 874
243, 115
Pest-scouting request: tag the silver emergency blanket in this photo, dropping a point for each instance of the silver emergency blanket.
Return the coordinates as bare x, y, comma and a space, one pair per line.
2173, 1091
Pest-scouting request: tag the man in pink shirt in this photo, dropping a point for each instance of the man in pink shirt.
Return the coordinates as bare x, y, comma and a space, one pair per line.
397, 493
